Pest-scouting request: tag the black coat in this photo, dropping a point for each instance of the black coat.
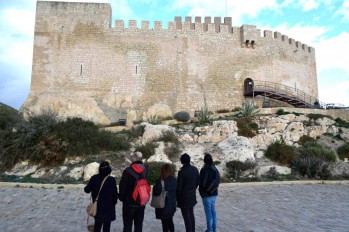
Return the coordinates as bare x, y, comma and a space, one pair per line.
208, 175
107, 199
129, 182
187, 183
170, 202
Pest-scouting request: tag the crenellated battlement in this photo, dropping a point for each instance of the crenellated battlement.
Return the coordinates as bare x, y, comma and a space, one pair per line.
250, 35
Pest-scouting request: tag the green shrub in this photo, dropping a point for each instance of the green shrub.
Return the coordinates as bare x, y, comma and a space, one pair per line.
42, 139
154, 119
147, 149
281, 112
172, 150
338, 136
341, 123
182, 116
272, 172
8, 117
169, 137
137, 131
154, 170
304, 139
235, 168
343, 151
319, 150
247, 127
312, 167
317, 116
281, 153
248, 109
217, 162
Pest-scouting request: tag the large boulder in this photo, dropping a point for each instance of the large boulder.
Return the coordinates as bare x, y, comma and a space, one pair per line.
66, 106
237, 148
76, 173
90, 170
159, 110
154, 132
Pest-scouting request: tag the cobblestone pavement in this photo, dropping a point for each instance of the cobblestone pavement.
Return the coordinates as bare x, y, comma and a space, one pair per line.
312, 208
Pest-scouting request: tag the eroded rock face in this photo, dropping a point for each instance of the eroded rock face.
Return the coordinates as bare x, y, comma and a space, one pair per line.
66, 106
237, 148
117, 101
22, 169
217, 132
159, 155
293, 132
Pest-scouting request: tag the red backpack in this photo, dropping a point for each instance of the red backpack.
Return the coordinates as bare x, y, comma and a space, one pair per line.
141, 191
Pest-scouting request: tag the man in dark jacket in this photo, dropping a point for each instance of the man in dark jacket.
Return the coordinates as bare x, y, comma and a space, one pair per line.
107, 198
132, 212
187, 183
208, 188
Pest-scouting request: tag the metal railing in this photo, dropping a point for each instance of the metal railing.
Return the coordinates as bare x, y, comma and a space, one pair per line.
286, 92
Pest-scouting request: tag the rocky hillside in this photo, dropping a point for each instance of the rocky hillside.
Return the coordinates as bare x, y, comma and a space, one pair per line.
228, 138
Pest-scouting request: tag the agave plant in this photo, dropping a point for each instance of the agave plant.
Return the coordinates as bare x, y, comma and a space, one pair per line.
204, 115
248, 109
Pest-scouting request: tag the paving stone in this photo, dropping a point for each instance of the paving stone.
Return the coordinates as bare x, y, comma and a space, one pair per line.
244, 208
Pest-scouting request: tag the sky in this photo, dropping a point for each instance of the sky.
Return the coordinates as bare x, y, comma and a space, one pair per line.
322, 24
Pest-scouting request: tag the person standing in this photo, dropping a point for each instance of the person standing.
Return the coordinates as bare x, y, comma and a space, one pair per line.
208, 189
107, 198
187, 183
170, 183
132, 211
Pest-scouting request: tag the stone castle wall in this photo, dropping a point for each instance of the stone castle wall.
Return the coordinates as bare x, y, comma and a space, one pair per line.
81, 63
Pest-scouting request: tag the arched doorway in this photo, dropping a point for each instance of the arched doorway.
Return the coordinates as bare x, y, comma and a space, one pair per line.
248, 86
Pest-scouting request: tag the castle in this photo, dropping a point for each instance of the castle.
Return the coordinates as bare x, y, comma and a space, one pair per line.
82, 66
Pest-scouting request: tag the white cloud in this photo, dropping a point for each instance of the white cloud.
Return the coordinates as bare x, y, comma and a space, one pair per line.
344, 11
309, 4
235, 9
336, 93
333, 52
307, 34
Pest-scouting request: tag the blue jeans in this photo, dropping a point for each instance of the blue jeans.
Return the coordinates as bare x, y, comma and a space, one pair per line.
210, 211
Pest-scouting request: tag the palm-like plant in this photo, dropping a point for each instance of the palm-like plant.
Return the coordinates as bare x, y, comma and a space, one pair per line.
248, 109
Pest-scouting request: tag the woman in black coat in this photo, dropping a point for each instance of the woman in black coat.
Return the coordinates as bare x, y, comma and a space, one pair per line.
107, 197
187, 183
166, 213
